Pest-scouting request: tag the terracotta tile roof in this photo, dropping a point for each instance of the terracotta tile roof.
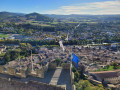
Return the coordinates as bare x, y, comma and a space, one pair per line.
107, 74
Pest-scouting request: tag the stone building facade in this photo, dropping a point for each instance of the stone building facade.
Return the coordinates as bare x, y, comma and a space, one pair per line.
107, 77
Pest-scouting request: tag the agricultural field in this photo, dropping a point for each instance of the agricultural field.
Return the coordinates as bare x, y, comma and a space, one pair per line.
4, 35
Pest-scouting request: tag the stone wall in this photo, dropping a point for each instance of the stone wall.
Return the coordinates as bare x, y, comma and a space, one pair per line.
66, 66
52, 66
31, 85
11, 71
99, 79
40, 73
37, 73
44, 86
114, 80
45, 68
22, 73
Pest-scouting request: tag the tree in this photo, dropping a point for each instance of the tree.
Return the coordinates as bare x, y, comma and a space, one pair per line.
74, 69
58, 61
76, 76
7, 57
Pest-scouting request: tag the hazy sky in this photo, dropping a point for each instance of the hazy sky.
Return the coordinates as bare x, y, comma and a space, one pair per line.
62, 6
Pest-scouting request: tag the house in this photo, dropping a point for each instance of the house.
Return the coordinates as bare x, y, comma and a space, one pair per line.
107, 77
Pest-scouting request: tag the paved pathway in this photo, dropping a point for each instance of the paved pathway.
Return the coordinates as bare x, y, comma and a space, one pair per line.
56, 76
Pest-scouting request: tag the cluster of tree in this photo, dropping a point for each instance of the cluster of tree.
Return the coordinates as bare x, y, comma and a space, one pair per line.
42, 42
30, 29
11, 55
115, 65
69, 42
58, 61
79, 73
26, 29
51, 42
81, 82
112, 66
87, 85
23, 51
77, 42
50, 46
32, 42
9, 41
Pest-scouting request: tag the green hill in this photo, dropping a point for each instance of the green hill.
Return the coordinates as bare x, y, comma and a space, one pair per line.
38, 17
18, 17
6, 15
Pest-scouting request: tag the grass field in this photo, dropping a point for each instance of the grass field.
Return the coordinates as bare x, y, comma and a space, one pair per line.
4, 35
107, 69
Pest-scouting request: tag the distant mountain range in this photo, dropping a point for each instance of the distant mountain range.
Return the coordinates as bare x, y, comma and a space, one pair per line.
20, 17
32, 17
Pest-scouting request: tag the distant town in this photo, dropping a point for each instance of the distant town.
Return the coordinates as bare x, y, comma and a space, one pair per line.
59, 52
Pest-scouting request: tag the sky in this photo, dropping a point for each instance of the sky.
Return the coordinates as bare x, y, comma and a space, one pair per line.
65, 7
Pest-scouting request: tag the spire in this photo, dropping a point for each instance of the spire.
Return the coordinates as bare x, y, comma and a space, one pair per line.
67, 37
